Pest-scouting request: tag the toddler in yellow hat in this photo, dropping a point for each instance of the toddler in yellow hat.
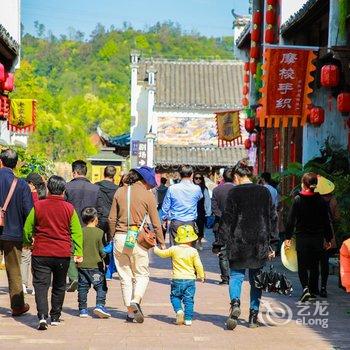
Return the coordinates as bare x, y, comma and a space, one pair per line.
187, 267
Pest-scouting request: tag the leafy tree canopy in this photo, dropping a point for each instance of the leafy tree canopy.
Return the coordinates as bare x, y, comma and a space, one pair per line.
82, 83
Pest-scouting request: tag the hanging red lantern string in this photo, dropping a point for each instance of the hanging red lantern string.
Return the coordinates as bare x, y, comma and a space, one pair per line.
245, 89
255, 40
2, 73
270, 19
330, 75
270, 15
316, 116
343, 102
257, 19
247, 144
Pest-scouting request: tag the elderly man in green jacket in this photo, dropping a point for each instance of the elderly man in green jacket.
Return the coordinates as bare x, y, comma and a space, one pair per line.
54, 226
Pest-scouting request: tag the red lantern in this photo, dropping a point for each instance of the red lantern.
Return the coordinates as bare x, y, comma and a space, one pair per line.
271, 2
269, 35
270, 16
330, 75
2, 73
343, 102
255, 34
249, 124
246, 78
257, 17
245, 90
253, 67
8, 84
254, 52
247, 144
246, 66
316, 116
245, 102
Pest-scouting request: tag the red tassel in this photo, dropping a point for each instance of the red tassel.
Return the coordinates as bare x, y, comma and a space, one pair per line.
293, 154
262, 149
276, 149
330, 102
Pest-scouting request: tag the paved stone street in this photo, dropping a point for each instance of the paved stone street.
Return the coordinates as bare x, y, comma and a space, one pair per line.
159, 332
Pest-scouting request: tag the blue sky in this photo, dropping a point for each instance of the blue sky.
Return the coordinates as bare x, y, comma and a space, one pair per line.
209, 17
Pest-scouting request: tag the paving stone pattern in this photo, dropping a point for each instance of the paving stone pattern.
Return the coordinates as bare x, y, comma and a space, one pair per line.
159, 331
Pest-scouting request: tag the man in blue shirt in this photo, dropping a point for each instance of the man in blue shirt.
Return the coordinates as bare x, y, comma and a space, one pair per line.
266, 180
180, 202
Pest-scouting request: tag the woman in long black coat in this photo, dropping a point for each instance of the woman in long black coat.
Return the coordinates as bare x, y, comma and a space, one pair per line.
309, 220
247, 228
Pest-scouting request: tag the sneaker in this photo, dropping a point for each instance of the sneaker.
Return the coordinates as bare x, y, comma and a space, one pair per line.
55, 321
305, 296
188, 322
73, 286
137, 312
199, 246
18, 311
253, 318
180, 317
235, 312
83, 313
42, 326
223, 282
130, 319
101, 312
323, 292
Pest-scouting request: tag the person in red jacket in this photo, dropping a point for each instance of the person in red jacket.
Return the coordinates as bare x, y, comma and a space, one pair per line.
54, 224
345, 264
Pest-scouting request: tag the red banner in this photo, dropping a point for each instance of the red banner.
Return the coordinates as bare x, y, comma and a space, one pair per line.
286, 86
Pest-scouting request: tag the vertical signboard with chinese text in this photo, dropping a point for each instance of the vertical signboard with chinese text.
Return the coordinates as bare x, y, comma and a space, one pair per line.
142, 153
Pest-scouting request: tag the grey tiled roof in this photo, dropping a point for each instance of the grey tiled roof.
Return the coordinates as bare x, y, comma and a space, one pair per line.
198, 156
182, 84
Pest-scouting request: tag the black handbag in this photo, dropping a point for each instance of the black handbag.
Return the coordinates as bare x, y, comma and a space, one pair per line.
272, 281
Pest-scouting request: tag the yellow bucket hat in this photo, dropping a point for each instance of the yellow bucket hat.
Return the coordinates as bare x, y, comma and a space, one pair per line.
289, 256
185, 234
324, 186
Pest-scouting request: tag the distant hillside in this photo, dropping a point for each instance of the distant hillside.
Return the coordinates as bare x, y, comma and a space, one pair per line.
80, 84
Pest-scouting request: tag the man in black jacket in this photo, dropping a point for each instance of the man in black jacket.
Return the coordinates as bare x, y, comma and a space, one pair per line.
218, 202
105, 198
11, 235
81, 193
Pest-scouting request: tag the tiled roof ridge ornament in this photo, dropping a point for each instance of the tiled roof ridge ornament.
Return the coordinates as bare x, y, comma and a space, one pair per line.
298, 15
8, 39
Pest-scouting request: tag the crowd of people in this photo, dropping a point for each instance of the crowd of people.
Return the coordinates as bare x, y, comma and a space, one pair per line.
85, 232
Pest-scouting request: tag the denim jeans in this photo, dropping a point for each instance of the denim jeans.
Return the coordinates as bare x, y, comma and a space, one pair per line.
97, 279
182, 292
236, 280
